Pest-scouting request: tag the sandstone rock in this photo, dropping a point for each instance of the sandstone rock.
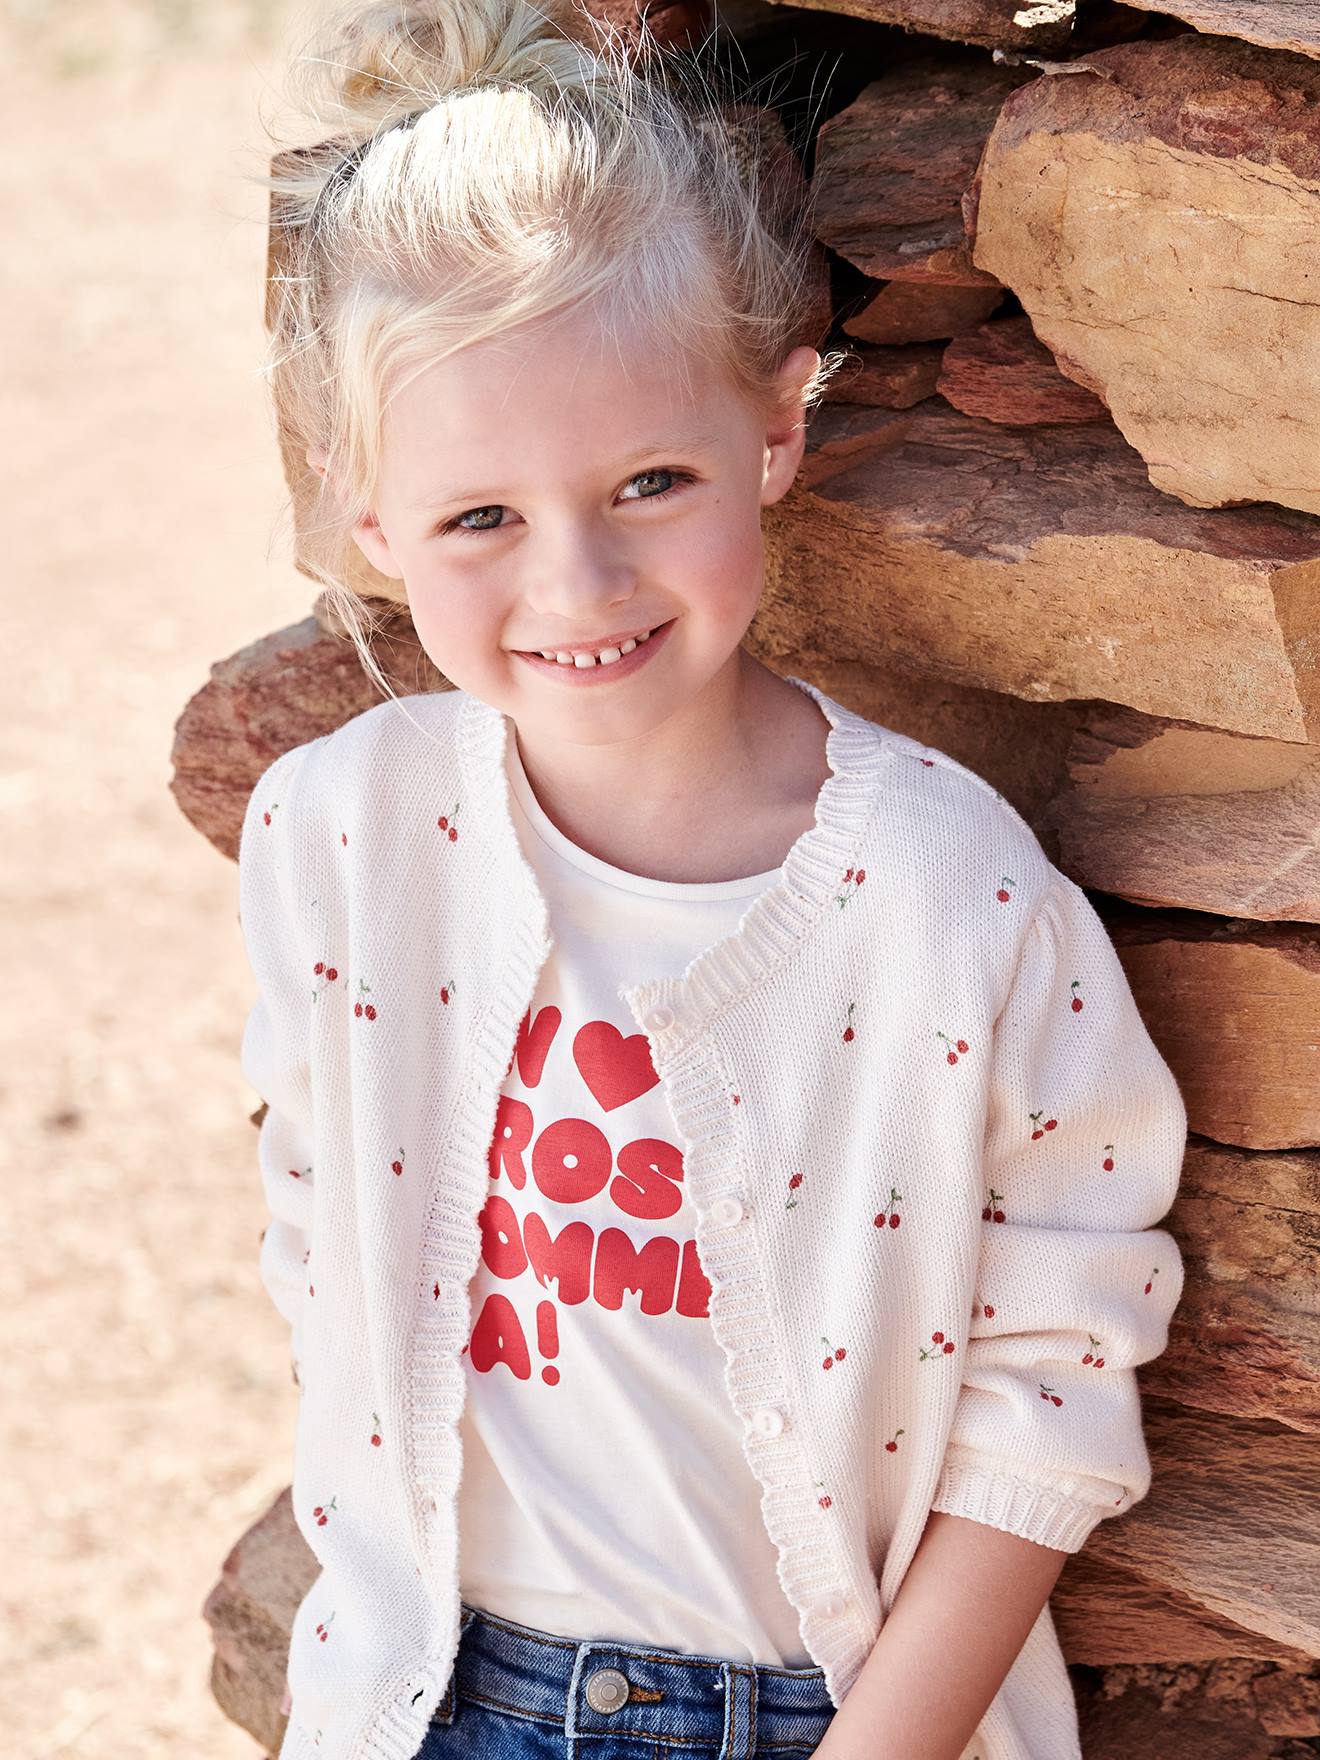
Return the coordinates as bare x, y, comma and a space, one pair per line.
1155, 217
1106, 1616
1000, 372
1132, 1724
1039, 561
917, 311
1233, 1008
1245, 1337
1232, 1521
250, 1612
994, 24
892, 169
1168, 813
1278, 24
887, 378
276, 693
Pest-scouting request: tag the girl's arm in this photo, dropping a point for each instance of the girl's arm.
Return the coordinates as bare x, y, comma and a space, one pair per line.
273, 1054
1075, 1286
972, 1593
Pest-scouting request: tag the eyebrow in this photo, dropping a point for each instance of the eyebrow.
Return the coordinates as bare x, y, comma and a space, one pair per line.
676, 443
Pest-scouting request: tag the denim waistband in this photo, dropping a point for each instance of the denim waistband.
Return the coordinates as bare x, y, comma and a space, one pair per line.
605, 1687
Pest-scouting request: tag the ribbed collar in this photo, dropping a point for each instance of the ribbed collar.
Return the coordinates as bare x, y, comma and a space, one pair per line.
858, 755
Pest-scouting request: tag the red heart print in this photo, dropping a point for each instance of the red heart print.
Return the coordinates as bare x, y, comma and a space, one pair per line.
615, 1068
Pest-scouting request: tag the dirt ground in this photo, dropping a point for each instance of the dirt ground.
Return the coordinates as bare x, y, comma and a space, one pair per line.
149, 1407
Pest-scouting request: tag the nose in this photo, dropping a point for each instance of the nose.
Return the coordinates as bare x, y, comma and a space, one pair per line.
575, 576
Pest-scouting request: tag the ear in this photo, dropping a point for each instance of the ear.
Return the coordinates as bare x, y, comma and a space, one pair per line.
786, 429
365, 532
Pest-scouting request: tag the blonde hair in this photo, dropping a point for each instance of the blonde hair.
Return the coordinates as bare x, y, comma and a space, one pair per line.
497, 162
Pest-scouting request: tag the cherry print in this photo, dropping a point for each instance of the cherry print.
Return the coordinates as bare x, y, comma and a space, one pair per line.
1155, 1273
856, 879
295, 1173
1076, 1001
447, 990
826, 1500
1090, 1356
991, 1211
1003, 894
839, 1353
364, 1008
945, 1344
955, 1046
1108, 1162
892, 1444
1040, 1129
450, 830
737, 1099
343, 838
322, 1512
323, 1632
1049, 1393
889, 1217
324, 971
848, 1031
396, 1166
794, 1181
375, 1434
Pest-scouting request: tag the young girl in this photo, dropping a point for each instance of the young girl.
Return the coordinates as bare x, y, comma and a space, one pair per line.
712, 1153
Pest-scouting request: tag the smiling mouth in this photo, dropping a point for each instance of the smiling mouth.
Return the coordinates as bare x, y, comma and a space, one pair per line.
593, 649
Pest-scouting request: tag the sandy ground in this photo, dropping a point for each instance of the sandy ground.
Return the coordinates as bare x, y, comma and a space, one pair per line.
148, 1404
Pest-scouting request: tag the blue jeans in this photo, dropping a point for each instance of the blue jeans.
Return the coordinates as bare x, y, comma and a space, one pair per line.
516, 1693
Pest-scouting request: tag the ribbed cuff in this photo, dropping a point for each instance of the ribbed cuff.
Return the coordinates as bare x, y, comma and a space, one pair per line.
1025, 1507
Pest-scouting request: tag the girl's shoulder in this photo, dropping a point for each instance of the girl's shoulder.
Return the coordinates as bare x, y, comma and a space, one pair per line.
956, 816
398, 754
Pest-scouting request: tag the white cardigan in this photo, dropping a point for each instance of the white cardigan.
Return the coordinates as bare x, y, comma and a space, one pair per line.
922, 1025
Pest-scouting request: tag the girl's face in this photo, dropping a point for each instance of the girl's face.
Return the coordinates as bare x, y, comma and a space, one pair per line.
552, 495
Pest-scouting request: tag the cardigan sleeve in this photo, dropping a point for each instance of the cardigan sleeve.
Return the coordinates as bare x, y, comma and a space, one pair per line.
1085, 1134
274, 1051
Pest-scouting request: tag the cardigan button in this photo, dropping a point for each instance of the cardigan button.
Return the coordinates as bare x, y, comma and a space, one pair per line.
660, 1018
768, 1420
828, 1605
726, 1211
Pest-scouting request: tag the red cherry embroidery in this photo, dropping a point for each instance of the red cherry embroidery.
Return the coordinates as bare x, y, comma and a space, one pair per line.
955, 1046
1049, 1393
892, 1444
447, 990
889, 1216
856, 880
361, 1008
1076, 1001
839, 1352
1108, 1162
396, 1166
1003, 894
848, 1034
1049, 1125
945, 1344
1155, 1273
322, 1512
451, 831
375, 1434
794, 1181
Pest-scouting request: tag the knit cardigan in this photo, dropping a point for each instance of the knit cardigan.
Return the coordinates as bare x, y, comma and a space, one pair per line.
926, 1136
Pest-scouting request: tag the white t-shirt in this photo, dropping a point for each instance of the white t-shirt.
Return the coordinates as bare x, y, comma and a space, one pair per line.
604, 1490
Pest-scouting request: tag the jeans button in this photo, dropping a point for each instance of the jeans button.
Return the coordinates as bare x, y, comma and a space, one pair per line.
607, 1690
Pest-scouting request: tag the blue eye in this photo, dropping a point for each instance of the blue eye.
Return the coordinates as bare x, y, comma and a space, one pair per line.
680, 479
